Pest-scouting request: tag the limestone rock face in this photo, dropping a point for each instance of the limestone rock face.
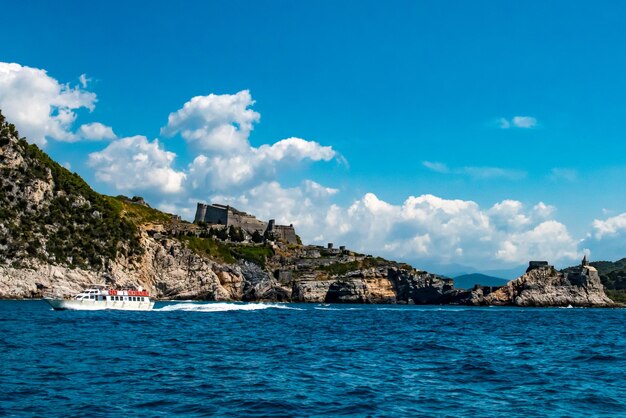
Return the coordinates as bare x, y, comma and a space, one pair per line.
418, 287
260, 286
40, 279
373, 285
167, 269
308, 289
545, 286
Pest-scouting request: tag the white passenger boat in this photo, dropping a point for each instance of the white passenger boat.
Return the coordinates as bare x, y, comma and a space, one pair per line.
98, 297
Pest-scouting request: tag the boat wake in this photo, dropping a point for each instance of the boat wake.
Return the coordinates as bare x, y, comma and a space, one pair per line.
221, 307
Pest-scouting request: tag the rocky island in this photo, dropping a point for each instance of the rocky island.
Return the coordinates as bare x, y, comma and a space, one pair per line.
57, 235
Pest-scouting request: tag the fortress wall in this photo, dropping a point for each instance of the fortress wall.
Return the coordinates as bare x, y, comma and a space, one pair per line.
286, 233
247, 222
215, 215
228, 216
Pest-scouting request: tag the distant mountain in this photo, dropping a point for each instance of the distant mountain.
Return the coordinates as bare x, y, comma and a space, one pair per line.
507, 274
457, 270
467, 281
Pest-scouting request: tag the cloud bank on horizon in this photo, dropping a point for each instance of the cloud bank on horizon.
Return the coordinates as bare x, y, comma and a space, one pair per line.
225, 167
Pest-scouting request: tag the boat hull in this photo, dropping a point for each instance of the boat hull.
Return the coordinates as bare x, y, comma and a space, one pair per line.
97, 305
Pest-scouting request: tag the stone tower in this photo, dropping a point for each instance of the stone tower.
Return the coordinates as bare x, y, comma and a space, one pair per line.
585, 262
200, 213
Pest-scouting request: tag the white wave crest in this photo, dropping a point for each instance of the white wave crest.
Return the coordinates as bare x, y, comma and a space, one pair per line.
325, 308
221, 307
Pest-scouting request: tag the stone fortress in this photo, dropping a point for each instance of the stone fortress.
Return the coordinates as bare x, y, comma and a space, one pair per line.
224, 215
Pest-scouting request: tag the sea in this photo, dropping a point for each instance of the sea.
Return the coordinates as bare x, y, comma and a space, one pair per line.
256, 359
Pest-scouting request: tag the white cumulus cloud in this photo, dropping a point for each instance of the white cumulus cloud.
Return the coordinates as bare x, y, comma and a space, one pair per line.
550, 240
215, 123
39, 106
135, 164
218, 172
610, 227
95, 132
423, 228
216, 128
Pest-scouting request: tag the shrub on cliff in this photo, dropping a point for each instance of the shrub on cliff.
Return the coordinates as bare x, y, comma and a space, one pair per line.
67, 223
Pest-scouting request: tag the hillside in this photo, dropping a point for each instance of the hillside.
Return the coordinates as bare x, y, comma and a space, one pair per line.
50, 214
467, 281
57, 235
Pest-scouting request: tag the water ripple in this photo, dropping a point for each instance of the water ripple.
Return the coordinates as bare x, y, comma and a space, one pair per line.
266, 359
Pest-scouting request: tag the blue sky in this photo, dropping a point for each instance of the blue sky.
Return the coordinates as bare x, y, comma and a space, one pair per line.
487, 102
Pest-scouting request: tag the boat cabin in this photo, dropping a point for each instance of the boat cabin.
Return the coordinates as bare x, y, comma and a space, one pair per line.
99, 293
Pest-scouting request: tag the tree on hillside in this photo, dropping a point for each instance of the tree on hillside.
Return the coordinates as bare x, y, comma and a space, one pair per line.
257, 237
236, 234
221, 233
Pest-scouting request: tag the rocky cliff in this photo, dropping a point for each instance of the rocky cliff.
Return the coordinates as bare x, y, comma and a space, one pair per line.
545, 286
57, 236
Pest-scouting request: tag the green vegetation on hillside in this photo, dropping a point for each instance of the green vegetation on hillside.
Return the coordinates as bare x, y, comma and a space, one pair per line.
137, 213
209, 247
368, 262
67, 223
618, 296
226, 252
254, 254
613, 275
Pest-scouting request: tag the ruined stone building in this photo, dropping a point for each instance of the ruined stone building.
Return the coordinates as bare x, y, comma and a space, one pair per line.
216, 214
285, 233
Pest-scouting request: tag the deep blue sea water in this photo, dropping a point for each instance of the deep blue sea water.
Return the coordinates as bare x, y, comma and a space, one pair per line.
311, 360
